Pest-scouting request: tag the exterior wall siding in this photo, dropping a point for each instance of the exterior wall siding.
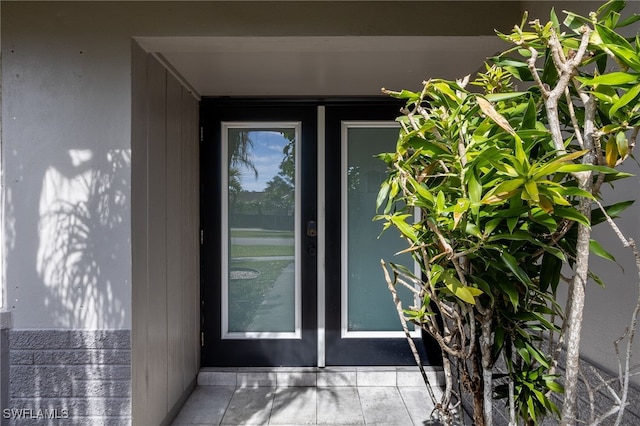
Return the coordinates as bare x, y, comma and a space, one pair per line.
69, 377
165, 242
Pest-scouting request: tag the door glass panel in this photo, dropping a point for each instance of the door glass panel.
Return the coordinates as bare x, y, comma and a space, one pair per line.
261, 273
366, 299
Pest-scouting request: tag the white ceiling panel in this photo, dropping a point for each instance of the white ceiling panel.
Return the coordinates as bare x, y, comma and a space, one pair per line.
318, 66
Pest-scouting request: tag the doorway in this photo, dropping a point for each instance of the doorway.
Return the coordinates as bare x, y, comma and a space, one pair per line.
290, 255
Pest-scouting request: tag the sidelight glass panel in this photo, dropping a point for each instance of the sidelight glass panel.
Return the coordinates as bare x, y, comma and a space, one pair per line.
366, 299
261, 283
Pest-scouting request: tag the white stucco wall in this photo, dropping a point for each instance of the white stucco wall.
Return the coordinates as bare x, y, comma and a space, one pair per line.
66, 120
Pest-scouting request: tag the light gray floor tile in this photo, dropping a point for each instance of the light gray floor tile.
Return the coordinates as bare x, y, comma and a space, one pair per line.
337, 378
294, 406
261, 378
249, 406
339, 406
294, 378
383, 406
410, 378
376, 378
217, 378
205, 406
419, 404
297, 401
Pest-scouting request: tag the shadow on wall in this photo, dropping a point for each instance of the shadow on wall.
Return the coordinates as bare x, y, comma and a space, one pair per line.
68, 267
82, 207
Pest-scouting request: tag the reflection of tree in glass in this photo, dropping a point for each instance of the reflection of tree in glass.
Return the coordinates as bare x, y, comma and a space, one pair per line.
240, 149
279, 196
235, 186
279, 193
288, 164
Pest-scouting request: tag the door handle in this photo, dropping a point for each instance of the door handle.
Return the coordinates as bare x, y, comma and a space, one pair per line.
312, 229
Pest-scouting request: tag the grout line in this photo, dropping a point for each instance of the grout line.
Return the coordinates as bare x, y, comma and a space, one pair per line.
226, 408
364, 419
406, 406
273, 402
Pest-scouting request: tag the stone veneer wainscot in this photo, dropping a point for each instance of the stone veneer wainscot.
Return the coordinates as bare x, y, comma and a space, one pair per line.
84, 376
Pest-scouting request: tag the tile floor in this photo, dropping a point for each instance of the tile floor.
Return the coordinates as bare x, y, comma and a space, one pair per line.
332, 396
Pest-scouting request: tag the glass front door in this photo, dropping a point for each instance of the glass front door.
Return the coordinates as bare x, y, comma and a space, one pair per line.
258, 165
263, 304
261, 275
362, 324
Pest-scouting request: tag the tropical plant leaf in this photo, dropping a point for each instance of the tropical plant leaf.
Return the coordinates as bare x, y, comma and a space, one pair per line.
503, 191
510, 290
626, 55
629, 96
531, 189
552, 385
382, 194
400, 222
403, 94
571, 168
612, 6
459, 209
462, 292
611, 152
488, 109
610, 37
575, 21
552, 166
572, 214
610, 79
628, 21
498, 97
613, 211
475, 188
623, 144
596, 278
472, 229
598, 250
513, 266
537, 355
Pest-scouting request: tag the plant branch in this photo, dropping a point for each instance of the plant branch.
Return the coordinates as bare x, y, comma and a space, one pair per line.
398, 304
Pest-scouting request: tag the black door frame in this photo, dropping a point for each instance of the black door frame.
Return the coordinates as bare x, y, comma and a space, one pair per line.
337, 351
254, 352
379, 351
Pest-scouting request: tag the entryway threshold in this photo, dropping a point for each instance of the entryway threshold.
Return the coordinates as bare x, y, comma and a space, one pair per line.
386, 396
319, 377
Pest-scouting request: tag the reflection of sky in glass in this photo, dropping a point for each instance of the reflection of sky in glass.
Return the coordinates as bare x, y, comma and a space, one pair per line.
266, 155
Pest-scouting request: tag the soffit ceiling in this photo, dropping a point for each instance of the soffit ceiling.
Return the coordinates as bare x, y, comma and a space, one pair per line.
317, 66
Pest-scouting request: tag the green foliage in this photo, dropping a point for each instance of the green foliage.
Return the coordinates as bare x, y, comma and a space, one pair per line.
499, 200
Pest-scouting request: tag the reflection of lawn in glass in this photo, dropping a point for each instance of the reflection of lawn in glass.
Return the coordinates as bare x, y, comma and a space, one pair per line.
260, 233
246, 296
260, 251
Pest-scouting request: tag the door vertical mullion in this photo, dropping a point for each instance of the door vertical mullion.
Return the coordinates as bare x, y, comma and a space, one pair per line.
321, 209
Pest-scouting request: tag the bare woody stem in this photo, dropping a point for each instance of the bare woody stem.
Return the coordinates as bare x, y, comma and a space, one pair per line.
398, 304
